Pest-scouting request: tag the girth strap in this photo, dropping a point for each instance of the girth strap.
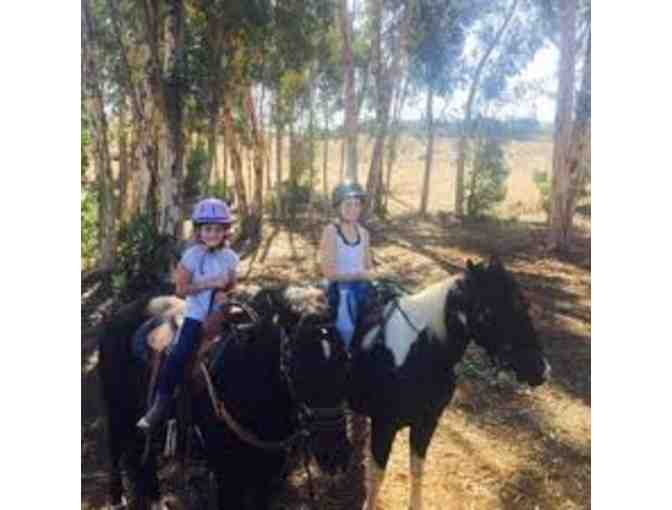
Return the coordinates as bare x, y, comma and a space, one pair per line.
386, 317
244, 435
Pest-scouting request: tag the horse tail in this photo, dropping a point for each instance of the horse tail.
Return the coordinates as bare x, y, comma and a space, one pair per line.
119, 380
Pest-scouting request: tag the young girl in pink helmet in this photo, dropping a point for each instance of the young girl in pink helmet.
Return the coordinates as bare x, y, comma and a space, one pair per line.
208, 266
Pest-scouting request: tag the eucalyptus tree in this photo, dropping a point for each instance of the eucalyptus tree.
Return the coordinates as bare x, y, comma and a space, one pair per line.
297, 48
437, 41
572, 122
94, 61
506, 38
389, 25
350, 125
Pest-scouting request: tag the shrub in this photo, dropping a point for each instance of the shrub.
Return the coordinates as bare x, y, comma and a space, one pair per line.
144, 256
219, 190
294, 196
543, 184
487, 178
195, 179
89, 226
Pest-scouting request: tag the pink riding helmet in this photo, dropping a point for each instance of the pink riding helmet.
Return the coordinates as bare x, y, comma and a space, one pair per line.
212, 210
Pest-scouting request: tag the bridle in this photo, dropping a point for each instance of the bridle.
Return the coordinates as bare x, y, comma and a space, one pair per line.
310, 419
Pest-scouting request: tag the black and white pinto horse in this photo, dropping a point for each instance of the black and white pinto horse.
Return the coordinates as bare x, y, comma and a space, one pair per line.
403, 367
278, 393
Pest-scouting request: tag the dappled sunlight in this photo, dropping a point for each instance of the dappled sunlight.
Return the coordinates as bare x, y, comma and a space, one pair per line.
564, 418
498, 446
459, 448
90, 363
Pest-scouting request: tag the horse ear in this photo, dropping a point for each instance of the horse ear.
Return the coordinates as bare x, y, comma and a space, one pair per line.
495, 263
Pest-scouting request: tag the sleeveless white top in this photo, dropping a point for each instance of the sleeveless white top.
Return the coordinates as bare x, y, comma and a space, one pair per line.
349, 257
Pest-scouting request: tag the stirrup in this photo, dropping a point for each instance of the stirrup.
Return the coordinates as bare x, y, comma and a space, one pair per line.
156, 414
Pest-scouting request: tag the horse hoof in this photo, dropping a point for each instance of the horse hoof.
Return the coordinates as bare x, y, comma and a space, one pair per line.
118, 506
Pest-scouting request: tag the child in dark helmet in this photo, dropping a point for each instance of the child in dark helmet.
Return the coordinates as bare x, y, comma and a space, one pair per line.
346, 258
208, 266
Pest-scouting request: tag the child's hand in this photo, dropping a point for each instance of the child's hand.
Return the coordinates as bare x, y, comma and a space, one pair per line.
216, 282
220, 282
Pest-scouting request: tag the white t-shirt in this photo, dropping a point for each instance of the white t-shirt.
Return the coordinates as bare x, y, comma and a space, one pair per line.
203, 264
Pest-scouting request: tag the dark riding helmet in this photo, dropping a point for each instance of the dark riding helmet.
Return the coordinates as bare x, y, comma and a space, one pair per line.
345, 190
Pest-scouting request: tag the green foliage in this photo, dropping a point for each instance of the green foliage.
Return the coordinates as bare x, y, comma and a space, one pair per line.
487, 178
89, 226
144, 256
88, 204
543, 184
294, 196
219, 190
437, 39
194, 181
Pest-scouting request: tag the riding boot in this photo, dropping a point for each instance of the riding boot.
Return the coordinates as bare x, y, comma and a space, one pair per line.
156, 414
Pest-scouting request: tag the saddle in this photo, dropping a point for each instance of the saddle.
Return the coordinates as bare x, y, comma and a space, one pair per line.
383, 292
154, 339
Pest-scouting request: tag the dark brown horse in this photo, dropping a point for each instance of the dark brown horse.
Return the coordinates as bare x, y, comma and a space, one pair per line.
278, 390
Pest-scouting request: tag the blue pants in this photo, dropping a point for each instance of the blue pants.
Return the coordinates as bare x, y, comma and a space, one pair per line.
355, 296
173, 369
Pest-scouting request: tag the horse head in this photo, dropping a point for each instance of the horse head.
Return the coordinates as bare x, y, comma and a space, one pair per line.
315, 363
500, 322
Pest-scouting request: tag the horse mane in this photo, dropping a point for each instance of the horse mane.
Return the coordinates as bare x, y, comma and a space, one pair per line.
428, 305
292, 302
165, 306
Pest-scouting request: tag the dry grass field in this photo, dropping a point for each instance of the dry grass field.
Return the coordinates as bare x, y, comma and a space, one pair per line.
522, 157
499, 445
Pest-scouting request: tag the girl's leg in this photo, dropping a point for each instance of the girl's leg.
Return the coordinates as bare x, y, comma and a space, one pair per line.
172, 373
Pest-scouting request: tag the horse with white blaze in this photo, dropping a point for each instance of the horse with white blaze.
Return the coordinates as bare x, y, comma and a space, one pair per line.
403, 367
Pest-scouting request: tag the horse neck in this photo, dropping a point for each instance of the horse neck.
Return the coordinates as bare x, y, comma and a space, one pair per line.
253, 383
428, 306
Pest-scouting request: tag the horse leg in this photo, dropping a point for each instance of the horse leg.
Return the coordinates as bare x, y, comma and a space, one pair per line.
420, 435
231, 489
143, 475
382, 437
265, 481
115, 445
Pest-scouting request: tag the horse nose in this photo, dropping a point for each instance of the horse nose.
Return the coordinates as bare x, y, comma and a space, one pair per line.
547, 370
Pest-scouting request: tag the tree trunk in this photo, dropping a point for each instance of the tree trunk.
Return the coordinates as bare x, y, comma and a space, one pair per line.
563, 187
225, 155
430, 152
259, 151
236, 164
325, 175
466, 124
124, 174
341, 175
375, 170
278, 167
144, 160
383, 76
350, 113
211, 171
401, 94
101, 147
172, 92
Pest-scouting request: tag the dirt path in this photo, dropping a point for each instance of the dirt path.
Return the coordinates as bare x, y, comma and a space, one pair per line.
499, 446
